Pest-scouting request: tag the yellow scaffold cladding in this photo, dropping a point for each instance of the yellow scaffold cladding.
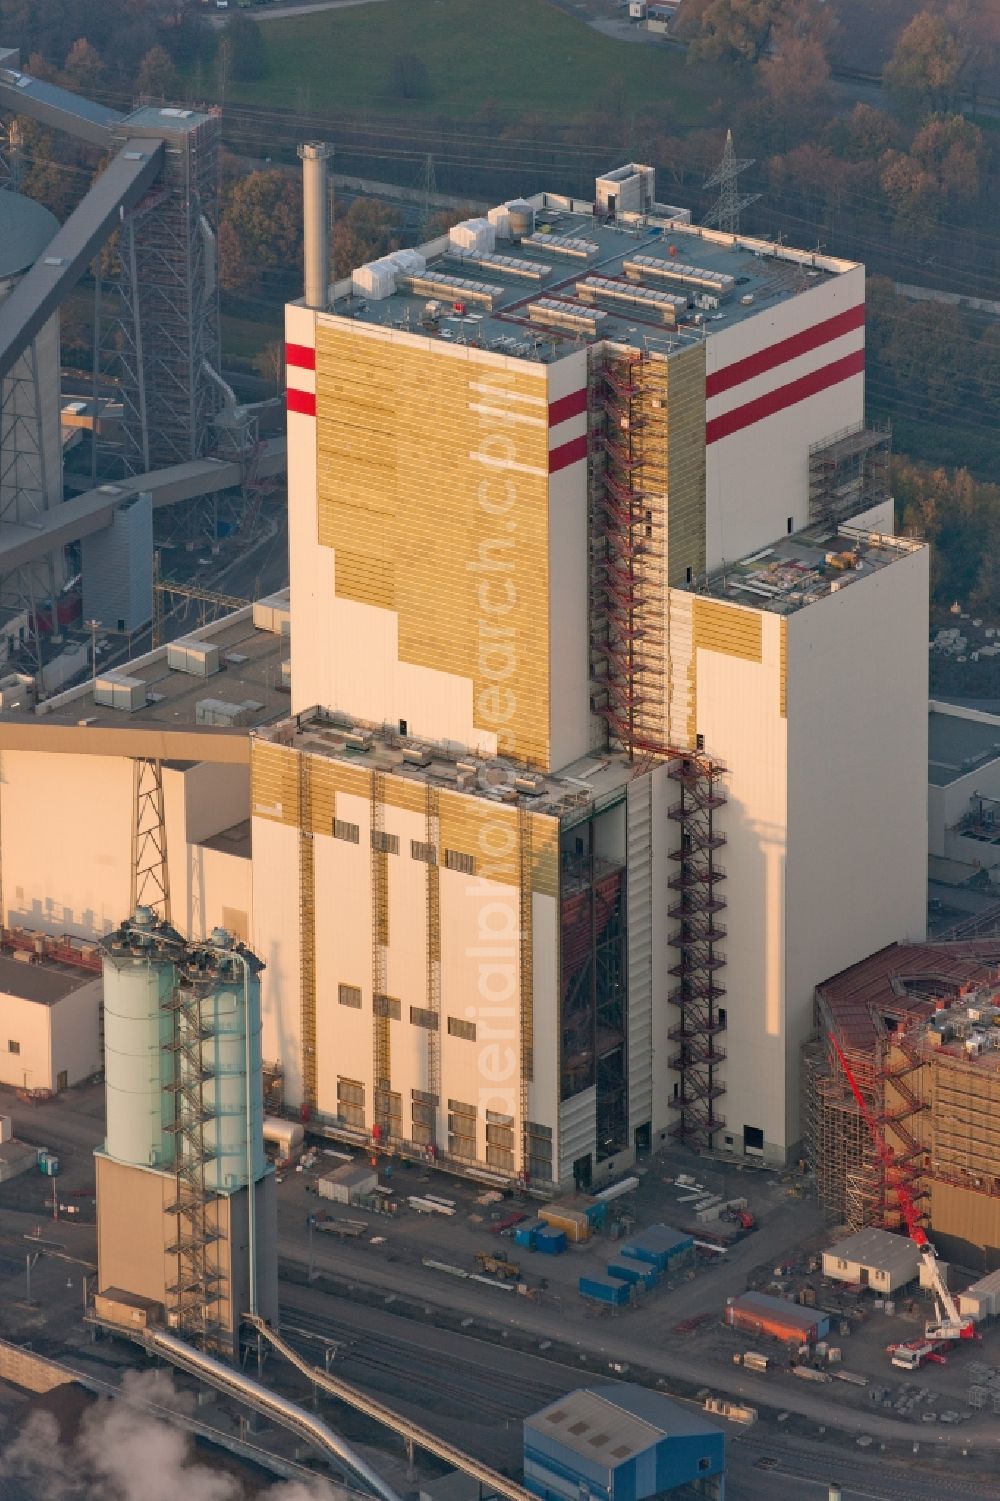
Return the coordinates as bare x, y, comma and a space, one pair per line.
729, 629
783, 670
469, 825
686, 464
433, 494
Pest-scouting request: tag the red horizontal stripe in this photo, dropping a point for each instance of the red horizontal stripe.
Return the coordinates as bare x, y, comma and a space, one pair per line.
785, 350
568, 453
567, 406
301, 356
785, 396
302, 401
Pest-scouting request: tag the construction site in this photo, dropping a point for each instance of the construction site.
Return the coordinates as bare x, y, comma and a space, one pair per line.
497, 876
918, 1025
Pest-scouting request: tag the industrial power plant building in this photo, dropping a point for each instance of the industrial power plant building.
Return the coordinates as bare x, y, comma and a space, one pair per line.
608, 697
920, 1027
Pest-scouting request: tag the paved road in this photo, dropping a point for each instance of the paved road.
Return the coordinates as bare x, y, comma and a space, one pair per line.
283, 12
650, 1345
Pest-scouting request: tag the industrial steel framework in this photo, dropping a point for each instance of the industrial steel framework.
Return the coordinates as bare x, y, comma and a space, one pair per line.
629, 485
307, 937
525, 975
848, 473
696, 939
150, 871
165, 318
851, 1182
432, 836
25, 487
381, 1057
162, 588
197, 1285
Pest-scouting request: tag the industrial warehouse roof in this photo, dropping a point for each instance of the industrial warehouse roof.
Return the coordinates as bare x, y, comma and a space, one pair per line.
611, 1424
763, 275
576, 791
957, 746
250, 676
26, 228
879, 1251
41, 980
803, 568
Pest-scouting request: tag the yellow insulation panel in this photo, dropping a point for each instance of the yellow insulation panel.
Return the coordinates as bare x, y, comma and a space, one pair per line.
729, 629
424, 521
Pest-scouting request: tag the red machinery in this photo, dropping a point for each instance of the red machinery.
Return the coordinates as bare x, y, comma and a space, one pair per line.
948, 1323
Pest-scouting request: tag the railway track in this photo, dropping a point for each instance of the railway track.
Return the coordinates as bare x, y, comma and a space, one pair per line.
467, 1383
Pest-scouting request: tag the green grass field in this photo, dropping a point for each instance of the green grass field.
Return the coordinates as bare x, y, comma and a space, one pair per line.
523, 56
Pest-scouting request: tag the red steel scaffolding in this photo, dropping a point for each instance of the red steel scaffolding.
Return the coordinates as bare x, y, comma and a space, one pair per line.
629, 410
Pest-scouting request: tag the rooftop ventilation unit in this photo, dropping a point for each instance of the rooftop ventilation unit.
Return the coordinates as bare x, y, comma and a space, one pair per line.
114, 690
578, 250
198, 658
417, 755
666, 306
639, 266
435, 284
567, 315
530, 784
273, 613
501, 265
218, 712
361, 740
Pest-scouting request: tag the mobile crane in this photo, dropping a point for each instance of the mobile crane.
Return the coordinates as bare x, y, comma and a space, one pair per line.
948, 1324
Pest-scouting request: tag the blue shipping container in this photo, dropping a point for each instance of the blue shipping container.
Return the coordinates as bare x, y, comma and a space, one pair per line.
524, 1235
659, 1245
634, 1271
550, 1242
604, 1290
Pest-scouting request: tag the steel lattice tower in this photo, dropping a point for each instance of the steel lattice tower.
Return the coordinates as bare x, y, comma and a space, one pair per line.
725, 212
167, 315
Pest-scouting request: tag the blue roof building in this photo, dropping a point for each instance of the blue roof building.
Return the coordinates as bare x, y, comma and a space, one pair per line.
622, 1443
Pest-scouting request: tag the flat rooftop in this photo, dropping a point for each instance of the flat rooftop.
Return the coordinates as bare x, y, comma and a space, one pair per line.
164, 119
878, 1248
505, 317
957, 745
798, 570
43, 980
577, 791
250, 674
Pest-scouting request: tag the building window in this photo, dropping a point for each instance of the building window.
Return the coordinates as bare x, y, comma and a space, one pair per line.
389, 1111
13, 1047
465, 1030
539, 1146
385, 844
791, 524
462, 1130
494, 1118
704, 1464
348, 831
688, 574
423, 1097
351, 1102
421, 1016
349, 995
500, 1158
388, 1006
421, 851
455, 860
753, 1139
403, 729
